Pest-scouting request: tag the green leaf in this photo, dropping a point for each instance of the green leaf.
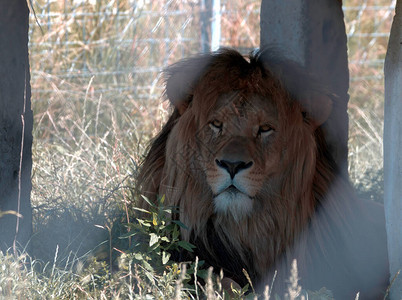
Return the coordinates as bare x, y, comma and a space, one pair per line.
141, 210
186, 245
144, 223
128, 234
135, 226
175, 233
154, 219
202, 274
180, 224
136, 244
165, 239
138, 256
147, 201
153, 240
165, 257
245, 289
170, 227
167, 211
149, 274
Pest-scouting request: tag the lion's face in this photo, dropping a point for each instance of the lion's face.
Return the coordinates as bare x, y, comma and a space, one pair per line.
238, 138
240, 151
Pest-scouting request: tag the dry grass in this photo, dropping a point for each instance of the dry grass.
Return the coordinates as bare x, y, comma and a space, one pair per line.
96, 94
366, 106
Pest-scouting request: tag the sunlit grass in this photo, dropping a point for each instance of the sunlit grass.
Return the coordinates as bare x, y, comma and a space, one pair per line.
96, 96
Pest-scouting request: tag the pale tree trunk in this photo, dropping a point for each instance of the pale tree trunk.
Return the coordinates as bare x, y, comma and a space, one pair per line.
393, 150
15, 126
312, 32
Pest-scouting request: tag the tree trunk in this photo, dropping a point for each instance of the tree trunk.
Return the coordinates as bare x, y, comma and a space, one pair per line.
312, 32
393, 150
15, 126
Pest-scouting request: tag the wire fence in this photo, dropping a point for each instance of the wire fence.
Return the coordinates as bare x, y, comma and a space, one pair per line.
114, 39
103, 58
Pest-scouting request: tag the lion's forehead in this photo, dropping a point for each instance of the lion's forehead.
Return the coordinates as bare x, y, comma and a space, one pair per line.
241, 106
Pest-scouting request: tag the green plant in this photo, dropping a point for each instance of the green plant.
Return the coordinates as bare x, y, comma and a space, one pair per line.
155, 237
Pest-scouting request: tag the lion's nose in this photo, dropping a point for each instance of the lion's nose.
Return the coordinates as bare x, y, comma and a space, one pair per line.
233, 167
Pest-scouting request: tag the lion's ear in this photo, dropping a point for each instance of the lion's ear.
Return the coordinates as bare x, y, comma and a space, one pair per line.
317, 108
182, 78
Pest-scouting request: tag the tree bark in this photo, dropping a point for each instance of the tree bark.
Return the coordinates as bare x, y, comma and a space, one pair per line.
15, 126
312, 32
393, 150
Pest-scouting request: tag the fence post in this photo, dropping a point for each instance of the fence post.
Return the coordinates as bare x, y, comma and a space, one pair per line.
216, 25
206, 16
210, 25
313, 33
393, 150
16, 121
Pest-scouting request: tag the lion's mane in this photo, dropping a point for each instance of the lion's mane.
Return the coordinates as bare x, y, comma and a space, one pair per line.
307, 210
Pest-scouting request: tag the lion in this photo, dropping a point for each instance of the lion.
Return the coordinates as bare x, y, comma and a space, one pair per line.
244, 159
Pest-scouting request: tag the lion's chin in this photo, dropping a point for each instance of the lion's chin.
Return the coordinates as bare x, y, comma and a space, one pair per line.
233, 204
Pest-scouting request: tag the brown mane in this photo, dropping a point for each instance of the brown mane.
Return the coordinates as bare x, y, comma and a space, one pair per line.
306, 210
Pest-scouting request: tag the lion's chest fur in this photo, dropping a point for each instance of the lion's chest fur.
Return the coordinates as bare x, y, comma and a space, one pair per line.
256, 243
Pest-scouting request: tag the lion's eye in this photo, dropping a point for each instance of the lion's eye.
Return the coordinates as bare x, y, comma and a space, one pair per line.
265, 130
216, 124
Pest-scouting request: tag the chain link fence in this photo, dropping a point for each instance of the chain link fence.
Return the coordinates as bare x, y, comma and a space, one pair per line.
126, 43
100, 61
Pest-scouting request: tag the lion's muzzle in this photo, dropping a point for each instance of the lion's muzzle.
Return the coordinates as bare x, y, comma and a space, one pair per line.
233, 167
